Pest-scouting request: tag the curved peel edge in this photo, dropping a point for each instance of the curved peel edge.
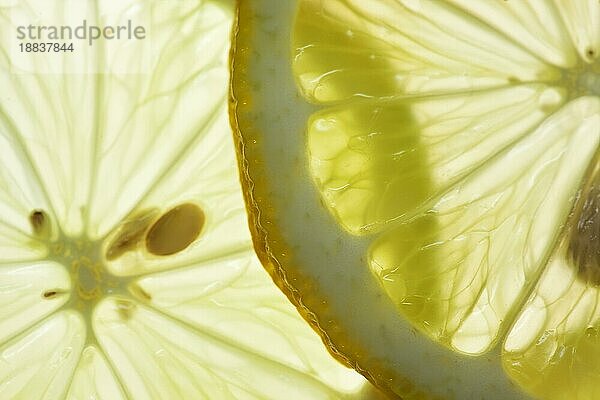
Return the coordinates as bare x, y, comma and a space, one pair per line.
270, 246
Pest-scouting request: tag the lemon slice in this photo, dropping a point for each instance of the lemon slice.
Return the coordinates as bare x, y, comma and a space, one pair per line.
127, 270
422, 179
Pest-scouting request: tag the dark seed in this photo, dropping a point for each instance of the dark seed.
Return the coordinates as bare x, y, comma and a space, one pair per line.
584, 235
130, 235
175, 230
52, 294
590, 52
40, 223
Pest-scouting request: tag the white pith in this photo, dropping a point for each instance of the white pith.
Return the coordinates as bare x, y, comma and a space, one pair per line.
336, 259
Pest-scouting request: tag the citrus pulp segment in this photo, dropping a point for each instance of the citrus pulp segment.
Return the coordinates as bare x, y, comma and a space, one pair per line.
431, 151
364, 156
460, 280
126, 266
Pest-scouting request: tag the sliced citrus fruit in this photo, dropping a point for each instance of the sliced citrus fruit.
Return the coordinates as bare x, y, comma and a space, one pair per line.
421, 176
126, 267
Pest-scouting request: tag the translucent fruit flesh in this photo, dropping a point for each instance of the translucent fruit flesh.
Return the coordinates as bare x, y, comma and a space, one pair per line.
460, 139
126, 266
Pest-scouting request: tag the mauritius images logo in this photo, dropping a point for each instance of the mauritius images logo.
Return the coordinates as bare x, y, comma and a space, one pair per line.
84, 31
